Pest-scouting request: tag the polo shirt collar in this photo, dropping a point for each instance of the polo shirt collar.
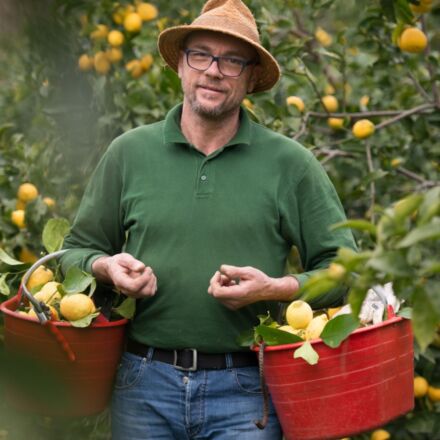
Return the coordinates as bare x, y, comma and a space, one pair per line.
173, 132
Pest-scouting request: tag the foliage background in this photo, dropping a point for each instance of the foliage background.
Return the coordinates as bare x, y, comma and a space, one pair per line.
56, 120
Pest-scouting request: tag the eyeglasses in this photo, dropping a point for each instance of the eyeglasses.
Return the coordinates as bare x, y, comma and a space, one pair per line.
228, 66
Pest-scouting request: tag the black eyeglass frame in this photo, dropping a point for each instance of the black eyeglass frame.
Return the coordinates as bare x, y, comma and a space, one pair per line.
216, 59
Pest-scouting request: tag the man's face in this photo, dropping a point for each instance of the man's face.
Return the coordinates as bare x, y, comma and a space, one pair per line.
209, 93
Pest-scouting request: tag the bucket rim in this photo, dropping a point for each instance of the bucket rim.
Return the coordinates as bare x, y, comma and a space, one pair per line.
9, 306
319, 341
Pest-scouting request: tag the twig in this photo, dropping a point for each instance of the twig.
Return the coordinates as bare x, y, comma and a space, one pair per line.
405, 114
425, 183
303, 127
432, 73
372, 184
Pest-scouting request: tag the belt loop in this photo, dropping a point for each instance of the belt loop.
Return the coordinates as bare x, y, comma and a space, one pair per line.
229, 361
149, 356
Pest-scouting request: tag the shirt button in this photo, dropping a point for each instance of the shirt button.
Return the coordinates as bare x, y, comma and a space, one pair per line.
203, 177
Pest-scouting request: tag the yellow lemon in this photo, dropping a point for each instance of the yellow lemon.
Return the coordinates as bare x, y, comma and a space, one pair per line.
380, 434
85, 62
49, 201
27, 256
336, 271
421, 8
135, 68
133, 22
146, 61
363, 128
40, 276
18, 218
396, 161
332, 311
248, 103
147, 11
363, 102
100, 32
295, 331
296, 101
114, 54
330, 103
27, 192
53, 311
299, 314
329, 89
323, 37
115, 38
76, 306
335, 123
101, 63
412, 40
316, 326
420, 387
48, 293
434, 394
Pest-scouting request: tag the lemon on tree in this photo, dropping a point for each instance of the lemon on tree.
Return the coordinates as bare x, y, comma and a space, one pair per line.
100, 32
420, 386
380, 434
330, 103
296, 101
412, 40
135, 68
85, 62
323, 37
336, 123
101, 63
49, 202
27, 256
146, 61
299, 314
18, 218
133, 22
433, 394
76, 306
40, 276
27, 192
115, 38
147, 11
363, 128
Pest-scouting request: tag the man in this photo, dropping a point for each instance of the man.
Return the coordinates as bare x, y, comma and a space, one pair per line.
195, 216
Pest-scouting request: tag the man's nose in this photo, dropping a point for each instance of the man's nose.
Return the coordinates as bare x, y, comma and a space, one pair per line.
214, 69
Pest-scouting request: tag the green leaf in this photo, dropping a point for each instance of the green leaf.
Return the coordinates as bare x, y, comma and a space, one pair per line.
77, 281
84, 322
4, 288
406, 313
307, 352
424, 318
392, 263
246, 338
273, 336
430, 231
317, 285
361, 225
9, 261
405, 207
127, 308
338, 329
54, 232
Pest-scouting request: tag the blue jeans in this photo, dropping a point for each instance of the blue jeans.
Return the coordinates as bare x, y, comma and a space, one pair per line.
154, 400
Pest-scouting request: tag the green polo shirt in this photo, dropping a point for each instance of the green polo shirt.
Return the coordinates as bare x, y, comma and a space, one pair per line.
158, 198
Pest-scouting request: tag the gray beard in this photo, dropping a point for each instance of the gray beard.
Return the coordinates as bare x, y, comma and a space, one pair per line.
211, 113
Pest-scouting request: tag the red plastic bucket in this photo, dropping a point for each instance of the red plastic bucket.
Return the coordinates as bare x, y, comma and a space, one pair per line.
364, 383
86, 381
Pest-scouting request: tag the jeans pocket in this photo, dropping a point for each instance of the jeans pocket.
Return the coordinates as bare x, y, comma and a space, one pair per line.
248, 379
129, 371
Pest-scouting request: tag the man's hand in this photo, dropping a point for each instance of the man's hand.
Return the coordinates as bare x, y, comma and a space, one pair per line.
127, 274
237, 287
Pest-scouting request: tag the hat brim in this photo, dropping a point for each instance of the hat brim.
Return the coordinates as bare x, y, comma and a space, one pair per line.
169, 44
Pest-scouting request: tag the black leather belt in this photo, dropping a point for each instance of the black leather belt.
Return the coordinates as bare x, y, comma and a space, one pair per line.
190, 359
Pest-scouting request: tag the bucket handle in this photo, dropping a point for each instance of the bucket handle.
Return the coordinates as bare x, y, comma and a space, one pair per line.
261, 424
41, 309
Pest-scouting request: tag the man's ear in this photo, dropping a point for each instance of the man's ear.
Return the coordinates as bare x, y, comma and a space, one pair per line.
255, 74
180, 64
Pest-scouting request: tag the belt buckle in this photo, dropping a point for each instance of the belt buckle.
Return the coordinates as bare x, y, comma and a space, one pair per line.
193, 367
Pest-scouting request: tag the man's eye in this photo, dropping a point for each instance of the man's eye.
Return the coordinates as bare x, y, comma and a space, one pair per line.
233, 61
200, 55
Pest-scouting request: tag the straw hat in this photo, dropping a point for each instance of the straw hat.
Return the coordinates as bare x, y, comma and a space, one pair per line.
231, 17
